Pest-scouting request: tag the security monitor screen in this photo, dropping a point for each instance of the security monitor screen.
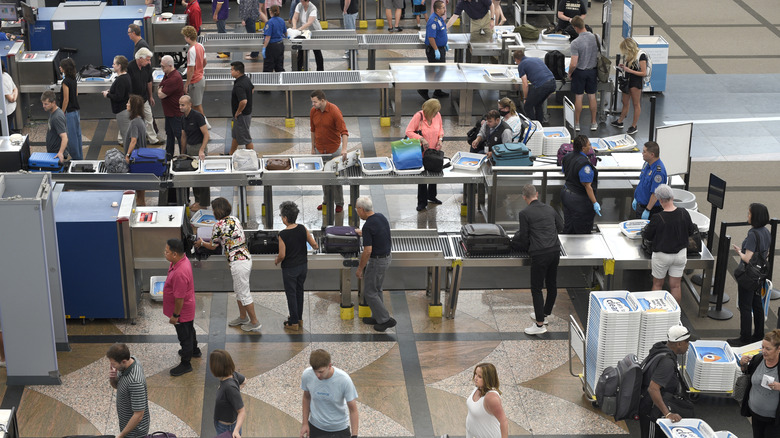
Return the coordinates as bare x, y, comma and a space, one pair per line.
8, 12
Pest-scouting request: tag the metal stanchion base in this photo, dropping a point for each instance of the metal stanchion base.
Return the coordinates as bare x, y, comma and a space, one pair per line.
775, 294
696, 279
721, 315
714, 298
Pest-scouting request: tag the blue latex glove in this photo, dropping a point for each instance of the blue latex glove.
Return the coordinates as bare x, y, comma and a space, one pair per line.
437, 55
446, 47
264, 58
633, 205
597, 208
646, 214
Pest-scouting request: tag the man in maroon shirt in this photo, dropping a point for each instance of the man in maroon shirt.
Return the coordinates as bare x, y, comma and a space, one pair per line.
170, 90
179, 304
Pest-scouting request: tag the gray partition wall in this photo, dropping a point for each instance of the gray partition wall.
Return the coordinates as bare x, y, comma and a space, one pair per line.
28, 265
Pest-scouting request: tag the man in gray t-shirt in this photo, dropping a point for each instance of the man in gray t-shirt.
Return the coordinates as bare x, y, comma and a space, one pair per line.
57, 132
582, 71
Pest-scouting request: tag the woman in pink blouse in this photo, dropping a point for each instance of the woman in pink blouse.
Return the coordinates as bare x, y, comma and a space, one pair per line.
426, 126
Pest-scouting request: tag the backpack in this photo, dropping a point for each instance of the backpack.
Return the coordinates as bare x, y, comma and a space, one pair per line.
528, 31
115, 162
556, 62
751, 276
603, 64
568, 147
619, 388
646, 79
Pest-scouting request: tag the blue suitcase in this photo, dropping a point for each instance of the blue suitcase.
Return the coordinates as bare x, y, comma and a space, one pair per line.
148, 160
44, 162
511, 154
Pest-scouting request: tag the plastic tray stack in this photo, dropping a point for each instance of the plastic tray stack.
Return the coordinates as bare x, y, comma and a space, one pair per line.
156, 285
554, 137
660, 311
686, 428
711, 366
613, 323
535, 144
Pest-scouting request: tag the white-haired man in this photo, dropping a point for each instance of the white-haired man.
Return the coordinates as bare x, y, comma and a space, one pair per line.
140, 72
374, 262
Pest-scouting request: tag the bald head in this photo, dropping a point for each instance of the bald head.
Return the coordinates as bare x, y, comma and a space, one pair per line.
185, 104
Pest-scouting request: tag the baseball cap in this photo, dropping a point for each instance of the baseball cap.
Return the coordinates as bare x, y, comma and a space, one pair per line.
679, 333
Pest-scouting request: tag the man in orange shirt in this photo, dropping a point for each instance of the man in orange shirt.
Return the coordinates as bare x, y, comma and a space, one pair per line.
328, 136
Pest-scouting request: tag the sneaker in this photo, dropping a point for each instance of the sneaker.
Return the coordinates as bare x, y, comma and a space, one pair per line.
196, 353
385, 325
435, 201
439, 93
252, 328
421, 207
632, 130
594, 127
221, 55
370, 321
533, 316
399, 29
182, 368
577, 127
617, 124
339, 208
419, 27
535, 330
390, 29
319, 207
423, 94
238, 321
345, 56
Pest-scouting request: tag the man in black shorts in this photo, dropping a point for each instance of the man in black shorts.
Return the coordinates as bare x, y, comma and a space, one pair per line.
582, 71
241, 105
195, 137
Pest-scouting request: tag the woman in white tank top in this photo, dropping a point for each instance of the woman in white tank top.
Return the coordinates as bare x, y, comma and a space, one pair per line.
486, 418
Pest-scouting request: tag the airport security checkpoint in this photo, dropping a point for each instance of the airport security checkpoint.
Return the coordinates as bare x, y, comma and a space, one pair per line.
88, 251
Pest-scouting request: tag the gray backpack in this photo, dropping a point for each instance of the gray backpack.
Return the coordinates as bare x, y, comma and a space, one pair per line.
115, 162
619, 388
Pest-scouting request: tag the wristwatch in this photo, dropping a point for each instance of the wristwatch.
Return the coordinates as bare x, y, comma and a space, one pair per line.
176, 315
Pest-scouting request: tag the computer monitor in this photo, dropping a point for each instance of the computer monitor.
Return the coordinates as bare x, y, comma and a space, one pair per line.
28, 14
8, 12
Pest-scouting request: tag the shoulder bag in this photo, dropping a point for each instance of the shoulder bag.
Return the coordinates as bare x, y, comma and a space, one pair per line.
752, 275
603, 64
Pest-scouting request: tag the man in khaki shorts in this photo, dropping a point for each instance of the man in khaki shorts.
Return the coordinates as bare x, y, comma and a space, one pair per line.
480, 17
196, 62
389, 6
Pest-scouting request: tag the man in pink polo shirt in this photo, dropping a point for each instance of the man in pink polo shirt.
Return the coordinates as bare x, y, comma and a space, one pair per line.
179, 304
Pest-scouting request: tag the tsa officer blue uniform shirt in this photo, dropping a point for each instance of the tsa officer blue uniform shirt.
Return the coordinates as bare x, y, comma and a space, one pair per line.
276, 29
586, 173
436, 29
652, 175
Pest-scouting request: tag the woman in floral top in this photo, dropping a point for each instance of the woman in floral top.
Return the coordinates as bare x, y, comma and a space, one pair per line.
230, 234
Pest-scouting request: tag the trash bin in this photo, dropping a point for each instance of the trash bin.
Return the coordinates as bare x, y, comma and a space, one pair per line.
657, 49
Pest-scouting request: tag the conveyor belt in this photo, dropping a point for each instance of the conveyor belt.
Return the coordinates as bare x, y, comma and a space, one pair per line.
227, 42
320, 77
260, 79
386, 41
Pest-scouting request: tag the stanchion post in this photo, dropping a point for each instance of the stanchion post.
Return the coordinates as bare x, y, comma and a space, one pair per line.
719, 278
613, 105
652, 30
775, 292
651, 134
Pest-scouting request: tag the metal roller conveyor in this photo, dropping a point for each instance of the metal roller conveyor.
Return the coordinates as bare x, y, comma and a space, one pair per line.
108, 181
345, 39
232, 42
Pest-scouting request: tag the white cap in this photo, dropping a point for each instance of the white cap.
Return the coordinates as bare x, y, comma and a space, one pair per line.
679, 333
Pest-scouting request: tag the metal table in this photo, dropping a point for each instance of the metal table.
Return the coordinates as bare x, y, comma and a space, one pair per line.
337, 80
458, 42
339, 39
628, 255
415, 76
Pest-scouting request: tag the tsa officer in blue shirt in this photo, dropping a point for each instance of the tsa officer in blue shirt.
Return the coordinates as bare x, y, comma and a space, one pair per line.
273, 46
436, 42
579, 192
653, 174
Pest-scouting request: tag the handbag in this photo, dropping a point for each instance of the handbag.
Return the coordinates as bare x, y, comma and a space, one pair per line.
433, 160
278, 164
752, 275
418, 8
603, 64
740, 387
694, 243
184, 163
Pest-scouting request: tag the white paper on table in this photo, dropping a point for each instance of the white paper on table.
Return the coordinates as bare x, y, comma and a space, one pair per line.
766, 380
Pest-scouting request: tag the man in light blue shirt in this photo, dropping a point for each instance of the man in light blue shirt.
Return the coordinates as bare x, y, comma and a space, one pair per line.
329, 400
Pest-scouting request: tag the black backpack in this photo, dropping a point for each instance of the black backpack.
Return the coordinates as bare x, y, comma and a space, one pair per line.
556, 62
752, 275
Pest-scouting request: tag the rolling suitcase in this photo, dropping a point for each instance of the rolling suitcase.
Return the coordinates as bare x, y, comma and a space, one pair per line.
485, 239
44, 162
148, 160
511, 154
342, 240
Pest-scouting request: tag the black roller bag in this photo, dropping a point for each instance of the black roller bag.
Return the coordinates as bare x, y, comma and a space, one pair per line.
342, 240
485, 239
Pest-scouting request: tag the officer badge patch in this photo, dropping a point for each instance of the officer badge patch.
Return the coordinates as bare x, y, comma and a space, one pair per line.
587, 169
657, 179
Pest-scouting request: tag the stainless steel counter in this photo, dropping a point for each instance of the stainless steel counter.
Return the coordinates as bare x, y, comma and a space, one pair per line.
414, 76
629, 256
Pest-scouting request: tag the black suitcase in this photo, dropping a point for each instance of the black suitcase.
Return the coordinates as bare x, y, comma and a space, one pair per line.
485, 239
342, 240
262, 242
